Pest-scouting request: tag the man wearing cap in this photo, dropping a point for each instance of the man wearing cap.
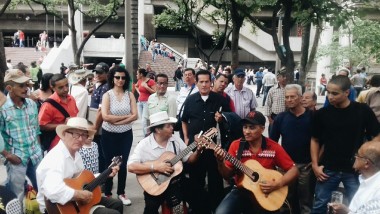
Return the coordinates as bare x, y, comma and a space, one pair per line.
77, 80
100, 87
242, 97
145, 157
49, 116
20, 130
64, 161
276, 98
254, 147
178, 78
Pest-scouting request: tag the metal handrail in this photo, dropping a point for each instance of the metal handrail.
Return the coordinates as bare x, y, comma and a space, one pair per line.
176, 54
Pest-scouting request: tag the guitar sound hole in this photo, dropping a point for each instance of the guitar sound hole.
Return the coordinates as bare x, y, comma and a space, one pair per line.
255, 176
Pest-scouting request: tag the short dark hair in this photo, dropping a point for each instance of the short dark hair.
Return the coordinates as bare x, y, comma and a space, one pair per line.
55, 78
342, 81
189, 69
45, 81
375, 80
202, 72
221, 75
161, 75
143, 71
153, 129
111, 75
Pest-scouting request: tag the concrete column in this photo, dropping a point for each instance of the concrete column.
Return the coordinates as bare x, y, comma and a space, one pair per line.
324, 63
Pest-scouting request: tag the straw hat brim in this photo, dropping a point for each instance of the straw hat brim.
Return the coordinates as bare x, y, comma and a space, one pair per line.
170, 120
62, 128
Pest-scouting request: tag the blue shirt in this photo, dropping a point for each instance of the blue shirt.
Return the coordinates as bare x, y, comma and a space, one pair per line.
97, 95
295, 133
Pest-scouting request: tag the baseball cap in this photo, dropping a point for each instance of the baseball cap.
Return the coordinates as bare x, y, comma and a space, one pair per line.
17, 76
102, 67
239, 72
255, 118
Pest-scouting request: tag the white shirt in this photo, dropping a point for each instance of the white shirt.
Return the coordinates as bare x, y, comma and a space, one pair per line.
369, 189
56, 166
183, 93
80, 94
149, 150
269, 79
243, 99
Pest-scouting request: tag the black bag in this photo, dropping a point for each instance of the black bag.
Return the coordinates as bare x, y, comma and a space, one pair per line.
178, 124
47, 137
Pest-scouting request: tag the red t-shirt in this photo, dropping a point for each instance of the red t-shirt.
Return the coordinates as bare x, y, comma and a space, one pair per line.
274, 155
144, 94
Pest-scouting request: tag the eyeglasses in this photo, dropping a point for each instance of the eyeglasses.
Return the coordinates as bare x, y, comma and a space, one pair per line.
356, 156
122, 77
22, 85
77, 135
162, 83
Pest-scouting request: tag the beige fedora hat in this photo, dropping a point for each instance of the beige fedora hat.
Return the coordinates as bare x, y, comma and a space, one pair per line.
75, 123
160, 118
76, 76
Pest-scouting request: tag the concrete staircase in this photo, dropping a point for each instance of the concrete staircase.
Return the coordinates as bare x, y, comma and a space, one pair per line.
24, 55
162, 65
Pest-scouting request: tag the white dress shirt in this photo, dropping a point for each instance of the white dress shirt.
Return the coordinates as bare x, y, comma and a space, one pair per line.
57, 165
369, 189
183, 93
80, 94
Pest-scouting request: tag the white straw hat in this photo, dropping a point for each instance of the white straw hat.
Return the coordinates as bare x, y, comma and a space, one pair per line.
76, 76
75, 123
160, 118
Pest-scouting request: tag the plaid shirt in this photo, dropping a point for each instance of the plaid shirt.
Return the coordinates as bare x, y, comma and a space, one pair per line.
20, 130
275, 101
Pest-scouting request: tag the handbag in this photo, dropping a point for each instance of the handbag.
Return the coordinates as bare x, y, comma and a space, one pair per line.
31, 204
47, 137
178, 124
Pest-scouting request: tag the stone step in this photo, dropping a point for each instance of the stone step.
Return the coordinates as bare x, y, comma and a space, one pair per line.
24, 55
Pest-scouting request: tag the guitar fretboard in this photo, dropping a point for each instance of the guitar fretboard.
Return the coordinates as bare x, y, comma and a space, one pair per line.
183, 154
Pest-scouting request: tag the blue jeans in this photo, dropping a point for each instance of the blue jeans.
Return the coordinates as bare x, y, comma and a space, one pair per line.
240, 201
142, 110
178, 84
324, 189
16, 177
266, 90
115, 144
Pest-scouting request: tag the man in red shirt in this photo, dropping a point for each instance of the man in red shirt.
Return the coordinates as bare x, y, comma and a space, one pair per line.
49, 116
255, 147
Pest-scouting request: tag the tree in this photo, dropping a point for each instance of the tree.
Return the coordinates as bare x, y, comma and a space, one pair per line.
93, 8
187, 16
364, 49
3, 63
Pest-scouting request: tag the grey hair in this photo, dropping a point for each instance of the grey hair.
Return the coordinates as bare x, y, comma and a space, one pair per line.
294, 86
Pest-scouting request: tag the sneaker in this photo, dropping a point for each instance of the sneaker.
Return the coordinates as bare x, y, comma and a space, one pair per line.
125, 200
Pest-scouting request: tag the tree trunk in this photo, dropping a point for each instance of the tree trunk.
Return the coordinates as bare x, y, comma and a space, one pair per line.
289, 63
237, 22
304, 52
3, 63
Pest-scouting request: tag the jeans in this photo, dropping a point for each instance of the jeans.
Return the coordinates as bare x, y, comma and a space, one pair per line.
141, 108
259, 84
240, 201
178, 84
16, 177
115, 144
324, 189
266, 90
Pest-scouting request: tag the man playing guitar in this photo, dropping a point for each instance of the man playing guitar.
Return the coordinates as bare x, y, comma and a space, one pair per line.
261, 149
146, 156
64, 161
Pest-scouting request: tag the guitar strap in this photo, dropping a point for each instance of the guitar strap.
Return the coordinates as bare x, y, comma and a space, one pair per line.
175, 150
243, 144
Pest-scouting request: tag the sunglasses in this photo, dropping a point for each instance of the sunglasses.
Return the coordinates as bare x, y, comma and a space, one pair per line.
122, 77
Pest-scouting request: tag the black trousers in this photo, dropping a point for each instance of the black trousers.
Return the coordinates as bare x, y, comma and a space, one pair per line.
202, 200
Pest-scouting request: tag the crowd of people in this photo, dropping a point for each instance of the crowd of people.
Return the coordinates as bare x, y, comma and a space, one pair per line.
44, 124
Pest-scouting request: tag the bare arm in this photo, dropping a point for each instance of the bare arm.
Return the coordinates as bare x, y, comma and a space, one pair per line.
130, 117
224, 170
185, 133
106, 114
315, 154
150, 166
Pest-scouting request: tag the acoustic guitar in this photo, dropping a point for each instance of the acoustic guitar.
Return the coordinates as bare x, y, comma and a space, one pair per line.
156, 183
85, 181
254, 174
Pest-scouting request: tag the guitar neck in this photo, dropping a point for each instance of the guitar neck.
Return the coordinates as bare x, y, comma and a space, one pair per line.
98, 180
238, 164
183, 154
